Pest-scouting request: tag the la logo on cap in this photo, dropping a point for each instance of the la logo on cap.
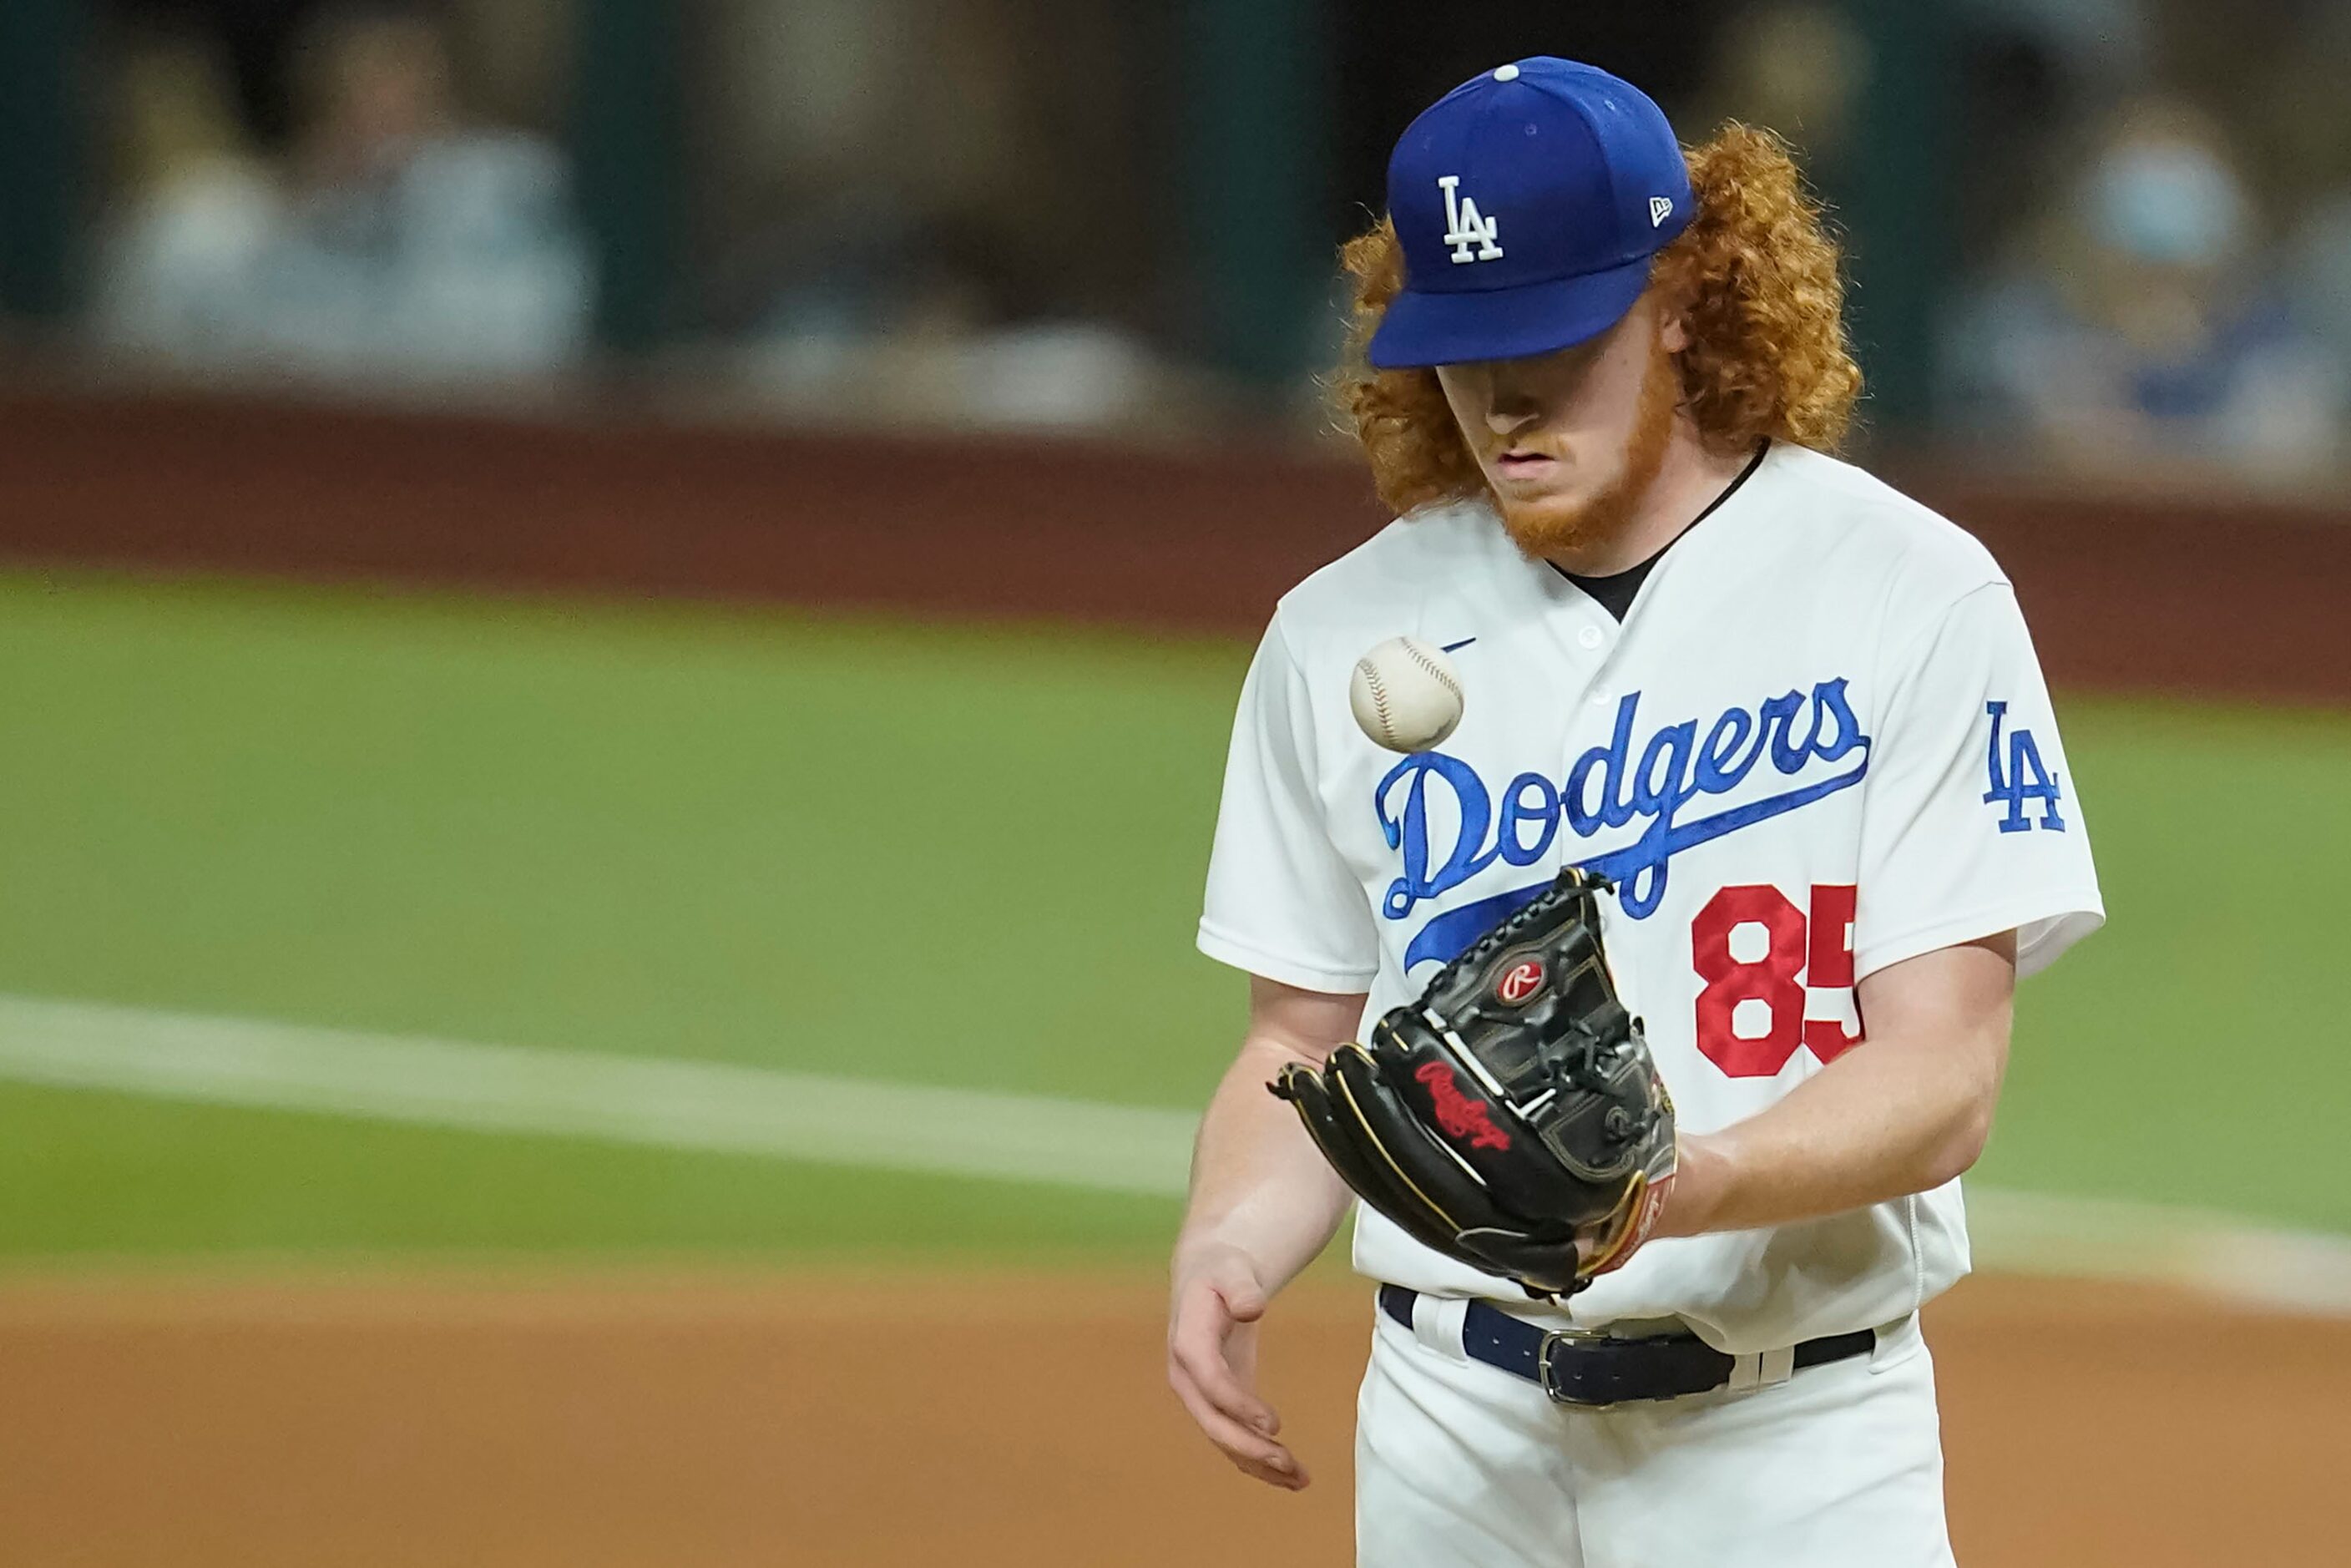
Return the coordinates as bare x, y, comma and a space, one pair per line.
1463, 224
1594, 184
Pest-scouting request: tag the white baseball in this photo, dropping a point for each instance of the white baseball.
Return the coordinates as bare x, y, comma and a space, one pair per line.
1407, 694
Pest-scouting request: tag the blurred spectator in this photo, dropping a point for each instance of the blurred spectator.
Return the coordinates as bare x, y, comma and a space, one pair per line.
407, 244
2144, 327
420, 244
195, 212
916, 256
895, 317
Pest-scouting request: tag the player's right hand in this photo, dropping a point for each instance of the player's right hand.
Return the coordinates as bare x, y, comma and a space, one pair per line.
1212, 1363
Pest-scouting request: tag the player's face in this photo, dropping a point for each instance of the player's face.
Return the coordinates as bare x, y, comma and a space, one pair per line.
1570, 441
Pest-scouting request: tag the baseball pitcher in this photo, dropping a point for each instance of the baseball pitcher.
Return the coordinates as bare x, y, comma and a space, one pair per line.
1651, 1013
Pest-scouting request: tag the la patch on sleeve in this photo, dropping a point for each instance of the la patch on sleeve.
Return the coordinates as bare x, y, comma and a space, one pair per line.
2019, 777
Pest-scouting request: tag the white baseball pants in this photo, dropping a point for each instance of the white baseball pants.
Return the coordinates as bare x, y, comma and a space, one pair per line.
1460, 1465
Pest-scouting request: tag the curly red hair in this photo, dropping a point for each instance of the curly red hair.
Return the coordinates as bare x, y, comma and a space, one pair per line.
1754, 278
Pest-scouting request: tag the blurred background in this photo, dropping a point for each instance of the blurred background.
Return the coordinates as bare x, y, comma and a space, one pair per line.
617, 624
2090, 234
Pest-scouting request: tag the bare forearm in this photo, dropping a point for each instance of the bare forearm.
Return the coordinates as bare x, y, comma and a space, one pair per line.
1861, 1131
1263, 1204
1258, 1183
1905, 1111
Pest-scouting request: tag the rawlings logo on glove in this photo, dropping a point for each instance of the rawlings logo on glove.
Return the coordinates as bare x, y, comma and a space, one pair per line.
1561, 1174
1456, 1113
1525, 979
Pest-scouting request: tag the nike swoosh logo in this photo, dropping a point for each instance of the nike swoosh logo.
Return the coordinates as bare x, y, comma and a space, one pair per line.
1463, 643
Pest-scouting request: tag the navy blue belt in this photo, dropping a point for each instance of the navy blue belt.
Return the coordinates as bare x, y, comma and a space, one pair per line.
1580, 1367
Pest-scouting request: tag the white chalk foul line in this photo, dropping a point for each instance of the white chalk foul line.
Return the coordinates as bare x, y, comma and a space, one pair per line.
949, 1131
2200, 1250
585, 1094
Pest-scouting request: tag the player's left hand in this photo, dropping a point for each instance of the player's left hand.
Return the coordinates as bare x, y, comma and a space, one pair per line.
1510, 1117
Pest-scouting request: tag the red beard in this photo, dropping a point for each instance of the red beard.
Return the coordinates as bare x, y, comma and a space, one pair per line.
1548, 527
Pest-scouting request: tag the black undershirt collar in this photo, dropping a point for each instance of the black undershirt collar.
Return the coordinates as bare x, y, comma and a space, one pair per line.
1616, 592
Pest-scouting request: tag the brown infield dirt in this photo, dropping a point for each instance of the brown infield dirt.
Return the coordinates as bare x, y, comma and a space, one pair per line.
878, 1420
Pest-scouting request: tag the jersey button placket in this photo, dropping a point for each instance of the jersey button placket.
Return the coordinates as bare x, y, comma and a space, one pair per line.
1592, 639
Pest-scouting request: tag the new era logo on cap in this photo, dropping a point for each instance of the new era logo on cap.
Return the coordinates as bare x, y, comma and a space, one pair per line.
1528, 202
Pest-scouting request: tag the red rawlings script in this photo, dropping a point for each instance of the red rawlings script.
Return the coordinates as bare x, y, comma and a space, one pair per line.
1460, 1116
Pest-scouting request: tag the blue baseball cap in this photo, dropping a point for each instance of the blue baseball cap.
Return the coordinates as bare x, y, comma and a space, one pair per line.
1528, 201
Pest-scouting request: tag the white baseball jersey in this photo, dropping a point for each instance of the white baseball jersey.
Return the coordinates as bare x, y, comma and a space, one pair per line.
1818, 744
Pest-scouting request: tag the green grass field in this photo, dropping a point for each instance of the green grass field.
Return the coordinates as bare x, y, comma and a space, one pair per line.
952, 856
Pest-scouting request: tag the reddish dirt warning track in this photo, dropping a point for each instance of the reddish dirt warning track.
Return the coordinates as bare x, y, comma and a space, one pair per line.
866, 1422
2137, 591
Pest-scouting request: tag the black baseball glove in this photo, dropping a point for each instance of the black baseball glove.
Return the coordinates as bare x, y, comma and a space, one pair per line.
1509, 1113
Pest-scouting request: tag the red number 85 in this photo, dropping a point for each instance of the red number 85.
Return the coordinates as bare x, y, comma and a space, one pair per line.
1798, 955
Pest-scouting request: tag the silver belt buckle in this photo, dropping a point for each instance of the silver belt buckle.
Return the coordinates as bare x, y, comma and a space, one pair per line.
1542, 1364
